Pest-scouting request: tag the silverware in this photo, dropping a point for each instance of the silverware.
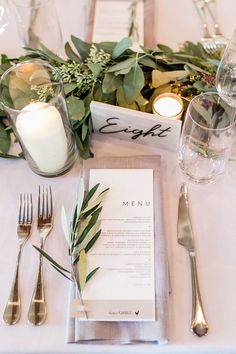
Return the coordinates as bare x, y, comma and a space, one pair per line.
219, 39
12, 311
206, 39
38, 311
199, 325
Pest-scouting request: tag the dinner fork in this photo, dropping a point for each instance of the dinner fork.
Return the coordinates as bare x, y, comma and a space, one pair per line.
12, 311
38, 311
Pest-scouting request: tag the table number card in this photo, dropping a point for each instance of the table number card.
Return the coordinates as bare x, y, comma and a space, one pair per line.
124, 287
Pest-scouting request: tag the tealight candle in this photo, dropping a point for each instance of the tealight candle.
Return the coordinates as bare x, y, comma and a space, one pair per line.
41, 130
168, 105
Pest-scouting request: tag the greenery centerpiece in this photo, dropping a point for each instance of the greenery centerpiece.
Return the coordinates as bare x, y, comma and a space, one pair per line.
113, 73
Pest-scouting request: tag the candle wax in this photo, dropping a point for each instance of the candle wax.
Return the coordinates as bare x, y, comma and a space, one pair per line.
167, 106
41, 130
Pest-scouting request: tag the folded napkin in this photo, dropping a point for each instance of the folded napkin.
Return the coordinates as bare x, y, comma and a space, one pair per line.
130, 332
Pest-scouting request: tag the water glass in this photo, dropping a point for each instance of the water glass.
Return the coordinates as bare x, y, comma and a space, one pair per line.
32, 95
206, 137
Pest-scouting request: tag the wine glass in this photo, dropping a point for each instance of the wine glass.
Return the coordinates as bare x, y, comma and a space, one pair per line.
38, 23
226, 73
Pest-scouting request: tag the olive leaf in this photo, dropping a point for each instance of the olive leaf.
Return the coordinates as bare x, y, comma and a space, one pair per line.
82, 269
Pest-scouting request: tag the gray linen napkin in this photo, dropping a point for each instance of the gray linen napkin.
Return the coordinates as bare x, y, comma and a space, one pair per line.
130, 332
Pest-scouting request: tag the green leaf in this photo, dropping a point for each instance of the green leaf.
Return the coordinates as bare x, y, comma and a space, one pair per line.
146, 61
95, 68
51, 55
92, 222
126, 64
82, 47
92, 241
75, 107
167, 50
68, 88
89, 195
50, 259
122, 101
84, 131
65, 226
82, 269
95, 202
5, 140
91, 274
71, 54
111, 83
133, 83
121, 47
108, 47
90, 234
59, 271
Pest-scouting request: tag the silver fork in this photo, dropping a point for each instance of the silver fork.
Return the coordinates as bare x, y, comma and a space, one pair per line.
12, 311
38, 311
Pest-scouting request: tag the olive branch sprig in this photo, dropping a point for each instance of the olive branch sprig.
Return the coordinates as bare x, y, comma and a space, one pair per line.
81, 235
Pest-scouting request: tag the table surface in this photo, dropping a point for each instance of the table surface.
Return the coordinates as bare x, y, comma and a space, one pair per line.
213, 212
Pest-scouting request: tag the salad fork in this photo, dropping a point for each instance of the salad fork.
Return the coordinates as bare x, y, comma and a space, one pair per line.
13, 308
38, 311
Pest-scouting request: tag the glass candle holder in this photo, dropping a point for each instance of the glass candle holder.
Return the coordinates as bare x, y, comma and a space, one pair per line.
33, 97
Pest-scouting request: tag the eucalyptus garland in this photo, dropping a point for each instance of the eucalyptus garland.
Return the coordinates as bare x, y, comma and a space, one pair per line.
113, 73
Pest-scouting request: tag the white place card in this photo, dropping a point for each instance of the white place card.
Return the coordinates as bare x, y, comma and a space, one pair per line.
124, 287
136, 126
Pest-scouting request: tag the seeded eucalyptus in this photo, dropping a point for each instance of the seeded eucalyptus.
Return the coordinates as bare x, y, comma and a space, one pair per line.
113, 73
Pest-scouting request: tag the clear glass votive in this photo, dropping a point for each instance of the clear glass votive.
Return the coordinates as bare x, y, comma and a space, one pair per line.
206, 137
33, 97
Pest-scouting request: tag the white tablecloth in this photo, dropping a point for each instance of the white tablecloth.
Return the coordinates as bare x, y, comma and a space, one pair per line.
213, 211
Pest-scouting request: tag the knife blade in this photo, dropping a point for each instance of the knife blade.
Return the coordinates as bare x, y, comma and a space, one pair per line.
199, 324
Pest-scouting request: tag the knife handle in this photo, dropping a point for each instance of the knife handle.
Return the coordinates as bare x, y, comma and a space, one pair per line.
199, 325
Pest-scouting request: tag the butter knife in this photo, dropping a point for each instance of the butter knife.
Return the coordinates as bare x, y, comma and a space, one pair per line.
199, 325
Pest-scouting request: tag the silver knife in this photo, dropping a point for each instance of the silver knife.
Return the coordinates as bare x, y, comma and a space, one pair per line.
199, 325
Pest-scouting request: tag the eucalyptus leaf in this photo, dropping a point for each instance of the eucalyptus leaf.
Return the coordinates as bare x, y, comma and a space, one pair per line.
75, 107
68, 88
147, 61
95, 68
5, 140
133, 83
111, 83
121, 47
84, 131
52, 55
126, 64
71, 54
82, 47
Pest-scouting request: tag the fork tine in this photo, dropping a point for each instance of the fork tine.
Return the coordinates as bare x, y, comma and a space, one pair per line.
50, 202
31, 209
43, 203
20, 210
46, 201
24, 210
39, 202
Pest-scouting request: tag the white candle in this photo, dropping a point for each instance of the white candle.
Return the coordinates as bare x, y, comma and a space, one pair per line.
41, 130
168, 105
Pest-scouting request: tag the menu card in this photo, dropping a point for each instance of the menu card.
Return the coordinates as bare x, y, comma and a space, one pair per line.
124, 287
